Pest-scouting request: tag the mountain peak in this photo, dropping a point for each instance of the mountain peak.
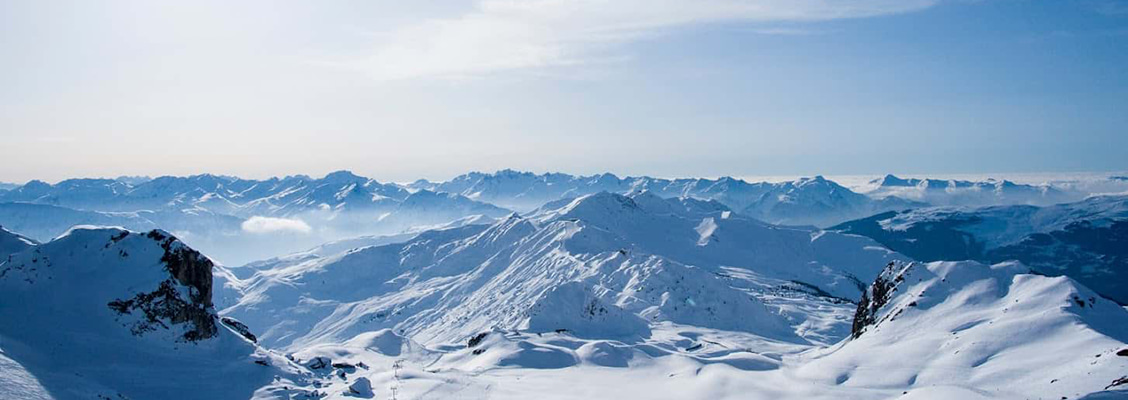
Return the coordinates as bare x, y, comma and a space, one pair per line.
36, 184
343, 176
815, 180
152, 282
600, 204
890, 180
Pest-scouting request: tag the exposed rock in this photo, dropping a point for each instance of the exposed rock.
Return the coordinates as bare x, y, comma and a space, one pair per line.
474, 341
877, 296
1118, 382
187, 268
165, 303
239, 327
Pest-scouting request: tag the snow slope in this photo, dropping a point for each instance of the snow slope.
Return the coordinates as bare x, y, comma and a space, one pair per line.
940, 330
1086, 240
924, 331
970, 330
11, 243
587, 300
107, 313
601, 265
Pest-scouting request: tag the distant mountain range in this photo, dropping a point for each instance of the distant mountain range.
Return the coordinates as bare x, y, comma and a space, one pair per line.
276, 197
941, 192
240, 220
806, 201
212, 211
809, 201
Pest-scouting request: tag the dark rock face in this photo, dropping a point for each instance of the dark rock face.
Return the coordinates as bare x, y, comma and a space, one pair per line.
186, 267
474, 341
1118, 382
877, 296
239, 327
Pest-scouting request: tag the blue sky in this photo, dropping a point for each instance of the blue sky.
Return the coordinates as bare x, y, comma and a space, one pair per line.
401, 90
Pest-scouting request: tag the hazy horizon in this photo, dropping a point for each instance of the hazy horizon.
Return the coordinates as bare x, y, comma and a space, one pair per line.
667, 88
848, 180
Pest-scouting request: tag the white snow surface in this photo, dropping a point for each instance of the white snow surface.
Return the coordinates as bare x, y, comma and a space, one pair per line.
600, 266
601, 296
951, 330
970, 330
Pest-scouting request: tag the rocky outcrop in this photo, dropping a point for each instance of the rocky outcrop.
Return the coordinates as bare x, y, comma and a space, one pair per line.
877, 296
188, 269
188, 266
239, 328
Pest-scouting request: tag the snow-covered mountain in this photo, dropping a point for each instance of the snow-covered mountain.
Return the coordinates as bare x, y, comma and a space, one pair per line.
807, 201
953, 192
820, 202
1086, 240
524, 191
277, 197
602, 297
636, 287
602, 265
969, 330
575, 309
235, 220
44, 222
112, 314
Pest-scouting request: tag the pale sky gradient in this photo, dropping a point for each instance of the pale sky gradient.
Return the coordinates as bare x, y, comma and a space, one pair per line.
399, 90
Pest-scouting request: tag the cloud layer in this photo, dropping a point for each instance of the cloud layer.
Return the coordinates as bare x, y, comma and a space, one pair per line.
275, 225
505, 35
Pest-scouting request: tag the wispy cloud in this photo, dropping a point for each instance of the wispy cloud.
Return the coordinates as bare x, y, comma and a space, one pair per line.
258, 224
506, 35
